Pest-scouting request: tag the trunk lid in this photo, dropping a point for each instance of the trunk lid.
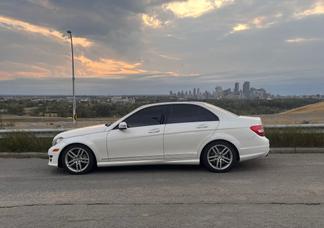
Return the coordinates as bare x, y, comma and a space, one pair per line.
251, 120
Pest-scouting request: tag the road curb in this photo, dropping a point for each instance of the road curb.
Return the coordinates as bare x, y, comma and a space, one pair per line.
276, 150
296, 150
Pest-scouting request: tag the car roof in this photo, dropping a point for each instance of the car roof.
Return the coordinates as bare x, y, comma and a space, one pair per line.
175, 102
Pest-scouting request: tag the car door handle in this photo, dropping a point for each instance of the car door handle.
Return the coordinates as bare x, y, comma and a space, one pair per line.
155, 130
202, 126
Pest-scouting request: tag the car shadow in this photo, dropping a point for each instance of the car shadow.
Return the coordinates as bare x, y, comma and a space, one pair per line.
246, 166
150, 168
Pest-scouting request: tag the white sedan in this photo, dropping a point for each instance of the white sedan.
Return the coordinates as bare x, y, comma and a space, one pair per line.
163, 133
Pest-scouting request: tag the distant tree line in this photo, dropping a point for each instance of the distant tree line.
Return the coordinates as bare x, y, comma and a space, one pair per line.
104, 108
255, 107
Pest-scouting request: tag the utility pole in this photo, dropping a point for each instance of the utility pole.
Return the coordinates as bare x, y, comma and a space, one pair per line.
74, 117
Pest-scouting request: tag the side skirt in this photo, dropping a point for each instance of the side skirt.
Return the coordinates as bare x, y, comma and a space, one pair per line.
148, 162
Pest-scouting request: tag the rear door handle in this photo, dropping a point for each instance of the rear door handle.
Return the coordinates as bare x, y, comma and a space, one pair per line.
202, 126
155, 130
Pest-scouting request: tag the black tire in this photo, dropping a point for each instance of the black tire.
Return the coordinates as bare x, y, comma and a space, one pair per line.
209, 154
86, 154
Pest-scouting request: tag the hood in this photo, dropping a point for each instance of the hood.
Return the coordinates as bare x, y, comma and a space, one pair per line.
83, 131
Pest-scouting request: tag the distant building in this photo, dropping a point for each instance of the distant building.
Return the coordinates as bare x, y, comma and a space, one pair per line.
120, 99
246, 89
237, 88
227, 92
258, 93
218, 92
245, 93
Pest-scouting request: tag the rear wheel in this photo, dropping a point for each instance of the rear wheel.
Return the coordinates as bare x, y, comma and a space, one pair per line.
78, 159
219, 157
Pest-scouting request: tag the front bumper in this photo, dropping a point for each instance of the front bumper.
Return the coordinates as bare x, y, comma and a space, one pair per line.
53, 155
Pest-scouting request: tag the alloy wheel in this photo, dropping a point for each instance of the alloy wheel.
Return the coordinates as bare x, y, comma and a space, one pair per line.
219, 157
77, 159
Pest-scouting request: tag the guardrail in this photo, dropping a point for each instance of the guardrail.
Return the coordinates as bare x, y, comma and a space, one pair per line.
295, 126
40, 133
51, 132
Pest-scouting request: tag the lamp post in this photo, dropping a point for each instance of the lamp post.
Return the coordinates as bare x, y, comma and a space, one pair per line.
73, 79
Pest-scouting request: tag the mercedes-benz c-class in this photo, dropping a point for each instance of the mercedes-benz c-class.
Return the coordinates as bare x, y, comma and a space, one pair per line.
163, 133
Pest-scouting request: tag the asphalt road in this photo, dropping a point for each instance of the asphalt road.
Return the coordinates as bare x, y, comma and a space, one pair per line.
281, 190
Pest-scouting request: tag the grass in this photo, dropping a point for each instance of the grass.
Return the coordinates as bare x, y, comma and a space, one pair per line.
284, 137
295, 137
24, 142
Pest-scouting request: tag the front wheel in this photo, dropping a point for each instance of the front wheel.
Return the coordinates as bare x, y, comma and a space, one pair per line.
219, 157
78, 159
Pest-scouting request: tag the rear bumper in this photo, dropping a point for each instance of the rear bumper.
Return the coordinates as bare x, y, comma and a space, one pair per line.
256, 151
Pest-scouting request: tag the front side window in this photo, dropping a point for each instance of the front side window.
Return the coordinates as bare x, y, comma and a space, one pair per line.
183, 113
147, 116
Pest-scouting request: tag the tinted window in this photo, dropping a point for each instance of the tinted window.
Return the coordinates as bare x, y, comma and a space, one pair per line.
182, 113
147, 116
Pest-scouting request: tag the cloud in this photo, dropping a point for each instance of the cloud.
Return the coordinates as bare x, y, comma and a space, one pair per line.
302, 40
169, 57
136, 85
195, 8
258, 22
155, 40
106, 67
240, 27
151, 21
13, 69
43, 3
18, 25
316, 9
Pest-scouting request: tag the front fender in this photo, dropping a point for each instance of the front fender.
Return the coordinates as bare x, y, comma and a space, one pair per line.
96, 142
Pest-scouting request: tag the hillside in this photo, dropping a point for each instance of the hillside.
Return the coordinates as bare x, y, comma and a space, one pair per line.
313, 113
308, 109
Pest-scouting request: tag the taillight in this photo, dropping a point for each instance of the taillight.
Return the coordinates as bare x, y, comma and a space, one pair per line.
258, 129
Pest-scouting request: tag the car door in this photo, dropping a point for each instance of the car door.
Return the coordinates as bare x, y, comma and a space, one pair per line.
143, 138
187, 127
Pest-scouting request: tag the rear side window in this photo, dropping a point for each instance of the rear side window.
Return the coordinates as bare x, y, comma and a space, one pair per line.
183, 113
147, 116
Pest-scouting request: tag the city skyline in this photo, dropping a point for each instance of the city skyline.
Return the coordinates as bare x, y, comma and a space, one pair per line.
151, 47
239, 90
244, 92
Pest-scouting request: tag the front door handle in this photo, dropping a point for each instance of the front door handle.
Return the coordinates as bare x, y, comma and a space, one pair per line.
155, 130
202, 126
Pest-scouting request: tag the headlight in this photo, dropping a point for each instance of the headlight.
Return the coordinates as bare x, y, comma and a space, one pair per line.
56, 141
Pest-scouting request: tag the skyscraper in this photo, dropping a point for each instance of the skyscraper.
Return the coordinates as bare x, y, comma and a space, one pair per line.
219, 92
237, 88
246, 89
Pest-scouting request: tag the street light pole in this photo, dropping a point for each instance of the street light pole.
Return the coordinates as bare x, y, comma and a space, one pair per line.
73, 79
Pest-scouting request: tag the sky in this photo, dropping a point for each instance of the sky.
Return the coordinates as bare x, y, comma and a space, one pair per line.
154, 46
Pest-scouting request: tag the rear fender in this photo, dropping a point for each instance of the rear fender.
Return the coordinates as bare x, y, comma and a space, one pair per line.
219, 136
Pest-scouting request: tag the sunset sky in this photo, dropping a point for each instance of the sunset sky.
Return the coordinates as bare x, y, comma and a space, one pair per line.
153, 46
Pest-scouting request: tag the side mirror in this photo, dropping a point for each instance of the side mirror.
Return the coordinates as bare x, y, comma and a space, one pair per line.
122, 126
